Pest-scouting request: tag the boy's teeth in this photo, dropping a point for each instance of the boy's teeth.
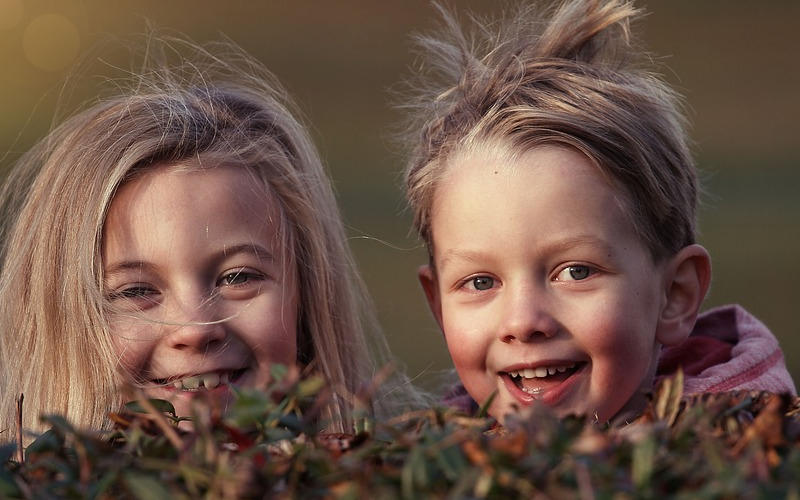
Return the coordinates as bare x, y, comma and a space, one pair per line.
540, 371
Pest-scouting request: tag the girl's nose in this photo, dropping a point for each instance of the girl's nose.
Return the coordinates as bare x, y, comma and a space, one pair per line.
195, 325
526, 316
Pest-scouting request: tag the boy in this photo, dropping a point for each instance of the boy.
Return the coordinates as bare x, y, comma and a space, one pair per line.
554, 188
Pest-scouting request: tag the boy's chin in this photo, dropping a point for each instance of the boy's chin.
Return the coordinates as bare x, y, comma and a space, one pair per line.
631, 411
513, 412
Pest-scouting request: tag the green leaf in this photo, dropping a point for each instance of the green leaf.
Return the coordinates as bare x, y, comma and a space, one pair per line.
161, 405
483, 411
146, 487
642, 467
278, 371
8, 487
49, 441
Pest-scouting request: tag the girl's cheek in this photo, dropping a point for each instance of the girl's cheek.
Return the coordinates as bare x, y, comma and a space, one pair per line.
131, 353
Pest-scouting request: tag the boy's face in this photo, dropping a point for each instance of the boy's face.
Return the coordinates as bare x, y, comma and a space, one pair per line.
203, 295
542, 287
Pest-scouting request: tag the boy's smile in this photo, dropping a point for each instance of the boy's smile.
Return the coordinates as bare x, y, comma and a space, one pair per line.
536, 381
541, 285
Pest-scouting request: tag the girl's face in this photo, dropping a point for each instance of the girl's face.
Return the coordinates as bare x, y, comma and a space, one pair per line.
542, 287
203, 292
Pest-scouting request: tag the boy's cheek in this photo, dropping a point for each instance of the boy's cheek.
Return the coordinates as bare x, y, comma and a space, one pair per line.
464, 333
455, 344
469, 358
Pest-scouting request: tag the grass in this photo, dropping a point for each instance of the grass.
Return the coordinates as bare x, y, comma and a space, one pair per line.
718, 446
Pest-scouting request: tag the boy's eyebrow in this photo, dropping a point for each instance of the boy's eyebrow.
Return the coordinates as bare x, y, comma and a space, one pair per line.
550, 248
467, 255
581, 240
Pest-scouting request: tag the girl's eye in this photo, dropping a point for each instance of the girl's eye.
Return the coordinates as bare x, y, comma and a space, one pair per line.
133, 292
481, 283
575, 273
239, 277
135, 297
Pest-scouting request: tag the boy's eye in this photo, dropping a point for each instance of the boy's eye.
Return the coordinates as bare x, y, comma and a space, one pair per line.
574, 273
482, 282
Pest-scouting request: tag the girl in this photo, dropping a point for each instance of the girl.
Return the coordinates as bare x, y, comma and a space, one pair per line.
552, 182
180, 237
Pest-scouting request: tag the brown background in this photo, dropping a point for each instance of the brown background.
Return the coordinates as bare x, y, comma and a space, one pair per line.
735, 60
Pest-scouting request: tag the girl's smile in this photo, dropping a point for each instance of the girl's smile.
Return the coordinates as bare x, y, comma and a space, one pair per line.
201, 285
206, 381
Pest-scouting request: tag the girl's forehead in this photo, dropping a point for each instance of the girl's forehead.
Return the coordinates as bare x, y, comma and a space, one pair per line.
194, 171
194, 183
169, 207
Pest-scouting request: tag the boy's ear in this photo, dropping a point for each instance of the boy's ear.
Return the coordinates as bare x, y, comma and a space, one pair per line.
688, 279
427, 278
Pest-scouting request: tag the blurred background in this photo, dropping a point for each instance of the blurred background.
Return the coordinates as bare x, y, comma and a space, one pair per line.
736, 61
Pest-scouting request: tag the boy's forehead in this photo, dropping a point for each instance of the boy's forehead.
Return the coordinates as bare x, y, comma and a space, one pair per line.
501, 183
504, 159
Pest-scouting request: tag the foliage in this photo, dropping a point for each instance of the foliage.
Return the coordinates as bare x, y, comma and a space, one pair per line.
718, 446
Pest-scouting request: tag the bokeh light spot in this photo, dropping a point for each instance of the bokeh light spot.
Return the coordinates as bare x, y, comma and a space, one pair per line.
10, 13
51, 42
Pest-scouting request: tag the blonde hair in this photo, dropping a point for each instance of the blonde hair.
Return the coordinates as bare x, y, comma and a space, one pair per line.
218, 103
572, 75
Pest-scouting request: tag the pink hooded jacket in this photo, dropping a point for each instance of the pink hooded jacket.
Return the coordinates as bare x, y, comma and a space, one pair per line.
729, 349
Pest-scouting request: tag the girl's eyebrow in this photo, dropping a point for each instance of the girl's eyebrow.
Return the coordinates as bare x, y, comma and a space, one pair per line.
228, 251
248, 248
126, 265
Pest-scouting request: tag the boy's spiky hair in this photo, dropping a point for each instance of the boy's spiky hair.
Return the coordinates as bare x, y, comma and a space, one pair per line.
572, 75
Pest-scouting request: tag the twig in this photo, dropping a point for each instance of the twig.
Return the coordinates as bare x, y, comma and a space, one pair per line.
19, 452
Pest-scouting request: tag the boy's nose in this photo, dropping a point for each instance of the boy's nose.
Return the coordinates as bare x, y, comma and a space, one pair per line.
526, 316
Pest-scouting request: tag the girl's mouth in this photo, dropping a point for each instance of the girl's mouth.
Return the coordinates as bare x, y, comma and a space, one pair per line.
201, 382
535, 381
